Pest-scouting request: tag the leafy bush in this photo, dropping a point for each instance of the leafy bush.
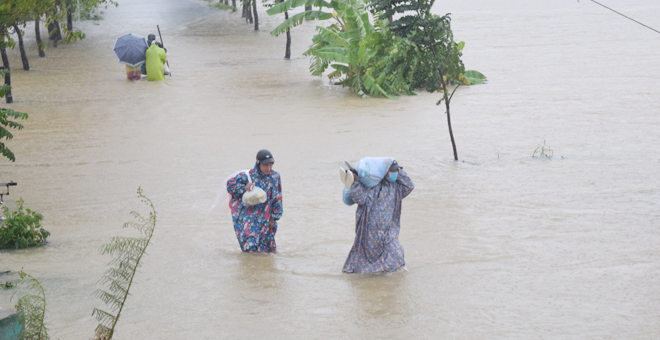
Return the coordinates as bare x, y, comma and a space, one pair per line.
382, 59
22, 228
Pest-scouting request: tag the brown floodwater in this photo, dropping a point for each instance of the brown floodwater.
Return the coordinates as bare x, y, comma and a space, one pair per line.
499, 245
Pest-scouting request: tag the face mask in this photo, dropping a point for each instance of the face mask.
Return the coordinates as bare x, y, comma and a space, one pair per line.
392, 176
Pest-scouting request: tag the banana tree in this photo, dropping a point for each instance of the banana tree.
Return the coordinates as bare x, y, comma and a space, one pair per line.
357, 50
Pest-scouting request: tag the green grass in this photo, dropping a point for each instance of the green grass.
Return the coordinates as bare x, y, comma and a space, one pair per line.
543, 151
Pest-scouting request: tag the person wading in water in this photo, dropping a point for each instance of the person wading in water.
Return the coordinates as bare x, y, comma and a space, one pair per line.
256, 225
377, 223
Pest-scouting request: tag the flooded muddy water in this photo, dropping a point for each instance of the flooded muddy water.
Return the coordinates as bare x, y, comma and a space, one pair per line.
499, 245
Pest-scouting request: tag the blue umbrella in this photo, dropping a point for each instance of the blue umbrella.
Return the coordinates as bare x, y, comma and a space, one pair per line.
130, 49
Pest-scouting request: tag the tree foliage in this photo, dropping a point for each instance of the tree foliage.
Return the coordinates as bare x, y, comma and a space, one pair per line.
390, 57
127, 252
6, 123
356, 50
380, 59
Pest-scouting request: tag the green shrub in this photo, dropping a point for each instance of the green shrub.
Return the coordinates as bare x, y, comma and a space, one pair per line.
22, 228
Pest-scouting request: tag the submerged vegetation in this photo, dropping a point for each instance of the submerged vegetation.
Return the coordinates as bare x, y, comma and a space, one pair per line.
128, 252
22, 228
389, 57
6, 123
384, 58
543, 151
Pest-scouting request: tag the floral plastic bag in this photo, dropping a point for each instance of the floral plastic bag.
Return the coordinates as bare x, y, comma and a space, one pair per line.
372, 170
254, 196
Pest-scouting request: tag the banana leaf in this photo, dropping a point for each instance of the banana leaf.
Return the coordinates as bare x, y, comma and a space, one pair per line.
338, 54
341, 68
289, 4
332, 37
474, 77
298, 19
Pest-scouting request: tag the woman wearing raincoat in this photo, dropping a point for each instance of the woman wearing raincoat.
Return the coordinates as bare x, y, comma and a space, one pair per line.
256, 225
376, 247
155, 59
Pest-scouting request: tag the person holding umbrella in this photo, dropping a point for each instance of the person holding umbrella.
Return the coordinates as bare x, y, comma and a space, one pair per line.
130, 50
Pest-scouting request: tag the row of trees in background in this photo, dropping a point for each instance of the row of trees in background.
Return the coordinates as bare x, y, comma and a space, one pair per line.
14, 15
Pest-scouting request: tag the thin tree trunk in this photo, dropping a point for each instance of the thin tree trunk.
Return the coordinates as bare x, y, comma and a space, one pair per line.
248, 12
69, 19
256, 16
233, 3
5, 63
444, 93
37, 32
451, 132
243, 14
287, 53
21, 47
308, 8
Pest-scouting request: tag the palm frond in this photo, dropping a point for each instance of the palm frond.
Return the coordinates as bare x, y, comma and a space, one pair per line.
127, 252
33, 309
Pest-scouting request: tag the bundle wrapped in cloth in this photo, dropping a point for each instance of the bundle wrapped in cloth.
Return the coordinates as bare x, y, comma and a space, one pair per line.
372, 170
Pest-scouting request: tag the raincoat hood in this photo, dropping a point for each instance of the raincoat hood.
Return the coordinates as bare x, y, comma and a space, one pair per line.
257, 171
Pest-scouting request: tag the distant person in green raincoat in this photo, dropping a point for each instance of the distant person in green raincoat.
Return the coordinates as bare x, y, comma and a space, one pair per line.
155, 59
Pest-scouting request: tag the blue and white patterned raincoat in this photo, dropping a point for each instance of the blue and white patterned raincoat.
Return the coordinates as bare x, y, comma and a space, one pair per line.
251, 222
376, 248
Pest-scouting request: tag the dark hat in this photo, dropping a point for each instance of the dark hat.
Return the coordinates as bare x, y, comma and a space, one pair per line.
395, 166
264, 157
151, 37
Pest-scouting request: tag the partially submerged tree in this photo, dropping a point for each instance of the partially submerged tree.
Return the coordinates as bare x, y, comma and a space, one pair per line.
435, 59
6, 41
256, 16
12, 13
41, 8
6, 123
21, 47
358, 51
287, 48
386, 58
